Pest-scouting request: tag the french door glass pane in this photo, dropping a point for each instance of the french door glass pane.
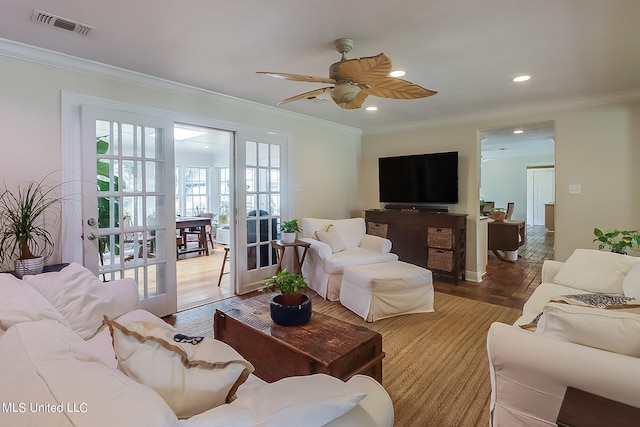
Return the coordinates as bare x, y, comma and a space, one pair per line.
262, 176
130, 234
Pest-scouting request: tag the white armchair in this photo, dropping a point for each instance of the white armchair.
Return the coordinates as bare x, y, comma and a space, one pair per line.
336, 244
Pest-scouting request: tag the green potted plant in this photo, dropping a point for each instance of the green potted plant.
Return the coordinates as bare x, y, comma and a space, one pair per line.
291, 306
617, 240
23, 233
289, 229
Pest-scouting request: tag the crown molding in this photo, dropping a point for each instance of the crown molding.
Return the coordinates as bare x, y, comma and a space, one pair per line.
502, 113
25, 52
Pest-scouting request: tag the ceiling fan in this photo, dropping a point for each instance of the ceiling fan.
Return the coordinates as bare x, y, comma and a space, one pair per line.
354, 80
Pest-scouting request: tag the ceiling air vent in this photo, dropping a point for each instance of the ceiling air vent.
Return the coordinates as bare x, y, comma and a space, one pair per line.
59, 22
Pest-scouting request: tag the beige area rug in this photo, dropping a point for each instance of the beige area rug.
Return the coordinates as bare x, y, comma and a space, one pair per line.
436, 368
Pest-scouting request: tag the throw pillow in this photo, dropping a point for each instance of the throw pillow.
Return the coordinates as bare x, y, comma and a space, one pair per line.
19, 302
595, 271
192, 374
312, 401
631, 282
44, 362
331, 238
610, 330
79, 295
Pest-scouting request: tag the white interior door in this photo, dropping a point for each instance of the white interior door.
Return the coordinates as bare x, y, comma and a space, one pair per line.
128, 204
262, 198
541, 190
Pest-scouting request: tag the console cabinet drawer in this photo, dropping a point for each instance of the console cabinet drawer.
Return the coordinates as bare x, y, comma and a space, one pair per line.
377, 229
440, 238
440, 259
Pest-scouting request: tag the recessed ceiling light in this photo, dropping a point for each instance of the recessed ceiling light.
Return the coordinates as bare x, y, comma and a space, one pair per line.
397, 73
371, 108
520, 79
518, 131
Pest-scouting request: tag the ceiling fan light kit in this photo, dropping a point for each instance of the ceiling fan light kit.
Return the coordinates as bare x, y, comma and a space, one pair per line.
354, 80
344, 93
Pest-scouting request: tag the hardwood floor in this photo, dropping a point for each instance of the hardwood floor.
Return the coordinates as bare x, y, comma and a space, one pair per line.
507, 284
198, 279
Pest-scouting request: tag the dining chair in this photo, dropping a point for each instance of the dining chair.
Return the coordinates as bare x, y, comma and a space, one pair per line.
510, 208
487, 207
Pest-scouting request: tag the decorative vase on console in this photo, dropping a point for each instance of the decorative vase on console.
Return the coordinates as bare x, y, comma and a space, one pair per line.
498, 214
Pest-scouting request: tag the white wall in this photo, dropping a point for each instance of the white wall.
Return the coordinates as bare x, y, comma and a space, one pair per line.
597, 147
325, 156
505, 180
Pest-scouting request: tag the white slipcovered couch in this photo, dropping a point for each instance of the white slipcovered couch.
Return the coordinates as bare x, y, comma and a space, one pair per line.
59, 367
572, 343
336, 244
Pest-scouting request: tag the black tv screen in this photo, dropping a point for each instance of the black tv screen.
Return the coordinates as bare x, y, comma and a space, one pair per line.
420, 178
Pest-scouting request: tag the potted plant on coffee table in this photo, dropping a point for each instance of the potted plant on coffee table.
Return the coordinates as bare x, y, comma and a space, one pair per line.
291, 307
289, 229
23, 233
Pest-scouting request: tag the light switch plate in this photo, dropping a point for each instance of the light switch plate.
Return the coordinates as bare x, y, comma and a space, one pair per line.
575, 189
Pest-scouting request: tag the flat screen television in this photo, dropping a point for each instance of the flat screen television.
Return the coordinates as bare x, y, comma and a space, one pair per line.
419, 179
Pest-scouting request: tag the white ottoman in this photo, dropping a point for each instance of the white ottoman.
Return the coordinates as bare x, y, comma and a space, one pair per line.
378, 291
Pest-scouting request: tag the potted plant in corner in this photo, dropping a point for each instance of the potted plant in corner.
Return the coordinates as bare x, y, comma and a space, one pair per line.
289, 229
617, 240
23, 233
291, 307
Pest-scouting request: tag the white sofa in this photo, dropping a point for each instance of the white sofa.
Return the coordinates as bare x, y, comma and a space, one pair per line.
336, 244
571, 344
59, 367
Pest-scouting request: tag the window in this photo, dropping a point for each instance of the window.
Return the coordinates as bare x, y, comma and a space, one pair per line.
192, 191
224, 196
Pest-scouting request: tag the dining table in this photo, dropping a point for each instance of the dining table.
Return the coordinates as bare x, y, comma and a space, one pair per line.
195, 222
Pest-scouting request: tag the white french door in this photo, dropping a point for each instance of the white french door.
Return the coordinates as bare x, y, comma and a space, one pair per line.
540, 190
262, 199
128, 203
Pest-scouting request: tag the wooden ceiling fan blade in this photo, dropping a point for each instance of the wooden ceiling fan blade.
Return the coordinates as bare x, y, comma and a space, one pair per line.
391, 87
306, 95
297, 77
366, 70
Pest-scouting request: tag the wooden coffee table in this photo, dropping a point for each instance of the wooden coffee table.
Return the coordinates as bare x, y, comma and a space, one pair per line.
324, 345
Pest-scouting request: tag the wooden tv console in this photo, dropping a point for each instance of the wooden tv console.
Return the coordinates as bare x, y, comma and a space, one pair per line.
436, 241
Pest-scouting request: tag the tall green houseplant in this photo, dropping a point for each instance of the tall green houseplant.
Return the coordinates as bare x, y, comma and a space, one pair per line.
23, 231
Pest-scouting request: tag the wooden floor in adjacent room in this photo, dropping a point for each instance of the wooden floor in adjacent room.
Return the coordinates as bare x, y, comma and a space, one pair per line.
198, 277
507, 284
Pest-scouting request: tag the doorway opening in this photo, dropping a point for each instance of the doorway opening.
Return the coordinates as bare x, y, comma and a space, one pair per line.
203, 189
518, 166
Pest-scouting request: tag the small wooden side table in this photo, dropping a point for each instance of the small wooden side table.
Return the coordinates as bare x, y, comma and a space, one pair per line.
281, 247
